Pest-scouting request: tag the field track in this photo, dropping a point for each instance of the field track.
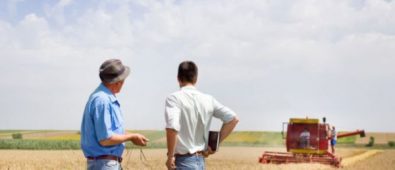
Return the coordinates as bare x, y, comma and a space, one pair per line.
360, 157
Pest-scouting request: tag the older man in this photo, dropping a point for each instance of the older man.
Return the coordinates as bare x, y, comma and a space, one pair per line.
102, 130
188, 116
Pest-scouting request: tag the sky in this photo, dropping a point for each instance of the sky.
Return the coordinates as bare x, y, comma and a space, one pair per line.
268, 60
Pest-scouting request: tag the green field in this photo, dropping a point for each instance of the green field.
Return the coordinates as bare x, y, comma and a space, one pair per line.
52, 139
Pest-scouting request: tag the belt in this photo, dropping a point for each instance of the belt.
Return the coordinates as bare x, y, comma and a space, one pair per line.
110, 157
198, 153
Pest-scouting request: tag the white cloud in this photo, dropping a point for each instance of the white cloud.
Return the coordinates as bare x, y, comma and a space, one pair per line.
268, 60
64, 3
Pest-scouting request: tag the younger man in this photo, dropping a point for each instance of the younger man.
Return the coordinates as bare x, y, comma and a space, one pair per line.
188, 115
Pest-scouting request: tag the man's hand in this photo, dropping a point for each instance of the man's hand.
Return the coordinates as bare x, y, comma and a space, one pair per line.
139, 139
208, 152
171, 163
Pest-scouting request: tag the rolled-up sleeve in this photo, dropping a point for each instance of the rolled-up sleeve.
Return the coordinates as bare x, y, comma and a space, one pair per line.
102, 119
172, 113
222, 112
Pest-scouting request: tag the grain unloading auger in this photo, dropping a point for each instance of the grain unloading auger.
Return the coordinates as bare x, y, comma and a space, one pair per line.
314, 150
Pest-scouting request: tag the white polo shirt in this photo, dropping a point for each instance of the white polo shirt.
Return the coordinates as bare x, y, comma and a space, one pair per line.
190, 112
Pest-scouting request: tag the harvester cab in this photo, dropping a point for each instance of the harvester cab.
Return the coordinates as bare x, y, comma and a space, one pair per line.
307, 140
307, 136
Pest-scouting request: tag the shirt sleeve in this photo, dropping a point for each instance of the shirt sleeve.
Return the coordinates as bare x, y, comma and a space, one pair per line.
222, 112
172, 113
102, 119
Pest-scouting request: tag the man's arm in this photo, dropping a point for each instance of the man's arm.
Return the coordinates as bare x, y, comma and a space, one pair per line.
171, 136
227, 128
225, 115
116, 139
102, 126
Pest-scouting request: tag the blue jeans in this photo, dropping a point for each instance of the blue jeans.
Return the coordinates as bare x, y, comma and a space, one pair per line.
103, 164
191, 162
333, 142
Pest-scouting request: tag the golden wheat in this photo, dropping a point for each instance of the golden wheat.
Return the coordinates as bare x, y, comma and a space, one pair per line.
225, 158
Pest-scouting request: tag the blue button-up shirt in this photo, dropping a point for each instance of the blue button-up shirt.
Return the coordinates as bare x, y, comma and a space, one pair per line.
102, 118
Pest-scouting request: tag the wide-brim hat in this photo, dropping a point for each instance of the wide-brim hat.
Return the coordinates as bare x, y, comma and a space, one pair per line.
113, 70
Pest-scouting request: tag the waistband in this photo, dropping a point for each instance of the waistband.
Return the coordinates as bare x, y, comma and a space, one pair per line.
198, 153
109, 157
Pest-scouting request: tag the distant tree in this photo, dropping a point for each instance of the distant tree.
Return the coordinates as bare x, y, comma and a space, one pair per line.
391, 143
371, 142
16, 136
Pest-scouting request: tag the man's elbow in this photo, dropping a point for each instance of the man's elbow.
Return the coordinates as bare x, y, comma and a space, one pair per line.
104, 143
232, 122
171, 131
107, 142
235, 120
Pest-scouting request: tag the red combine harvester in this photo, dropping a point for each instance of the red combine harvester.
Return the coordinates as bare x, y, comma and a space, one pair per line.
313, 150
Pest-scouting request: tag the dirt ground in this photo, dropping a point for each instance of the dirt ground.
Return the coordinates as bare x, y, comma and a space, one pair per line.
226, 158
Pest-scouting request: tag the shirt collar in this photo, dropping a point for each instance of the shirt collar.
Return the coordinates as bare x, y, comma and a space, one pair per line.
103, 88
188, 87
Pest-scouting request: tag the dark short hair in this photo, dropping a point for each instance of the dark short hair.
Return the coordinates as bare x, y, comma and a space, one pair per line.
187, 72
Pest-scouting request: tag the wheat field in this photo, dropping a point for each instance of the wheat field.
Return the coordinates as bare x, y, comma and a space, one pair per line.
226, 158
